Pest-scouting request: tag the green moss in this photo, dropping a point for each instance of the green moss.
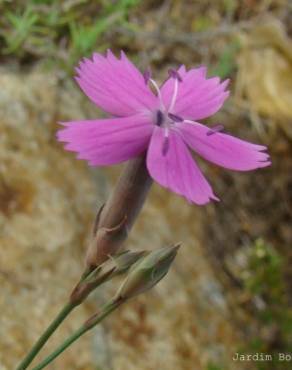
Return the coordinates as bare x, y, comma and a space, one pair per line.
265, 280
212, 366
62, 31
226, 63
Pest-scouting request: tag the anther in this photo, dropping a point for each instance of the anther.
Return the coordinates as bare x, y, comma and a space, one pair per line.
175, 118
174, 74
165, 145
215, 129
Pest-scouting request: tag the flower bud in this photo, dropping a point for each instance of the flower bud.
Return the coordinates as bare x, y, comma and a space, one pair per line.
113, 266
147, 272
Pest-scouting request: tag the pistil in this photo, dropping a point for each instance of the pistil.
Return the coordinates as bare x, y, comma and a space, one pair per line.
156, 87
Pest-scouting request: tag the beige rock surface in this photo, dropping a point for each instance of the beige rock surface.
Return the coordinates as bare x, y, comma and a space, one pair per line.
46, 206
47, 201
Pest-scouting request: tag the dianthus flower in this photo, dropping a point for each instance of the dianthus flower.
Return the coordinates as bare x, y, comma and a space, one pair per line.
164, 123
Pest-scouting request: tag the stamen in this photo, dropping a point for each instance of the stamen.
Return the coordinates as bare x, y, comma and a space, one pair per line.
212, 131
174, 74
175, 118
215, 129
174, 96
159, 118
147, 75
190, 122
158, 92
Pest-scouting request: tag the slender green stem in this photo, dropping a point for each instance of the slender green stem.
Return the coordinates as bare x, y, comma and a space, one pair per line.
45, 336
77, 334
65, 311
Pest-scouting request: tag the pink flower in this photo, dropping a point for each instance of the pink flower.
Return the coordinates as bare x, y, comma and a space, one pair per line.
164, 124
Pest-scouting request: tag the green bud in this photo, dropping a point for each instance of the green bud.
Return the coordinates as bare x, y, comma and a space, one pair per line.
147, 272
115, 265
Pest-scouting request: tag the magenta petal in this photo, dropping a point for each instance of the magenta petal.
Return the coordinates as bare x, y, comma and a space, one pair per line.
222, 149
115, 85
198, 97
173, 167
107, 141
168, 86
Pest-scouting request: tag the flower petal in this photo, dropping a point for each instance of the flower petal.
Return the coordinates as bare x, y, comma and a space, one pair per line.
197, 97
174, 168
222, 149
115, 85
107, 141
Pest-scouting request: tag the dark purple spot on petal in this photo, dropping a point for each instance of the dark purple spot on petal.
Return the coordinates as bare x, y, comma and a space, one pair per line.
175, 118
174, 74
213, 130
147, 75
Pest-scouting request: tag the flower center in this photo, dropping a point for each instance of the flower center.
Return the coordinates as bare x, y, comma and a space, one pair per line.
162, 109
164, 117
159, 118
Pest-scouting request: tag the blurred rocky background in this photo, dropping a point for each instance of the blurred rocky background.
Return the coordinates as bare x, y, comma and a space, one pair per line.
230, 290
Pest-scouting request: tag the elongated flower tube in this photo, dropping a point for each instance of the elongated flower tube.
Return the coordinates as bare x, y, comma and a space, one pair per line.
164, 124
